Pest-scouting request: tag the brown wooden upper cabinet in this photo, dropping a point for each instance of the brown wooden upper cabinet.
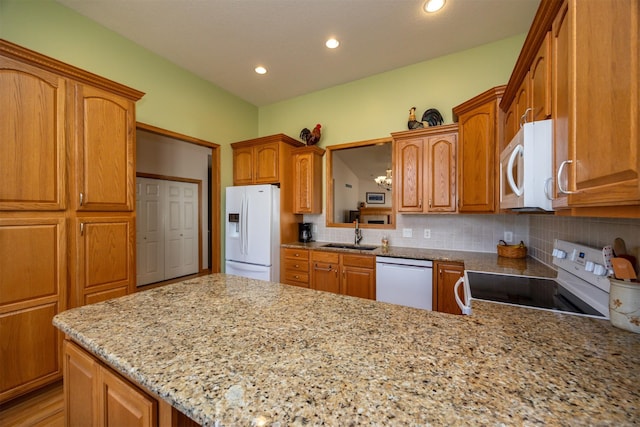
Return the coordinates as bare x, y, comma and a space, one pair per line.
32, 137
598, 46
479, 133
580, 60
307, 180
104, 150
540, 82
425, 164
264, 160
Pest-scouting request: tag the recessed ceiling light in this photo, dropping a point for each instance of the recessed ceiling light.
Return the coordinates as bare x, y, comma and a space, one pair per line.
332, 43
261, 70
431, 6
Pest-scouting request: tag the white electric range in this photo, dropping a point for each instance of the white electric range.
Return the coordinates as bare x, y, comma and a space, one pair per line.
581, 286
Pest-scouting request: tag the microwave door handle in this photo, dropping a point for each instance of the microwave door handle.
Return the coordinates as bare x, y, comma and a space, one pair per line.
516, 190
548, 183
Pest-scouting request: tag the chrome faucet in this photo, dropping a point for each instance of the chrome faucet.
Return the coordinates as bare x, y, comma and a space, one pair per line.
358, 233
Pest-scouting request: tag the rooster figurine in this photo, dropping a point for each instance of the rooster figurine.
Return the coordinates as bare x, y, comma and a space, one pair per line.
413, 123
311, 137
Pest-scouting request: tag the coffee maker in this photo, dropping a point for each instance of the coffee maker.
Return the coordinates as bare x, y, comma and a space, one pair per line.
304, 232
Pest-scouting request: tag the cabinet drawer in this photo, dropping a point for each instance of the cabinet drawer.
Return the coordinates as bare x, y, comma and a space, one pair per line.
328, 257
302, 254
291, 276
365, 261
300, 265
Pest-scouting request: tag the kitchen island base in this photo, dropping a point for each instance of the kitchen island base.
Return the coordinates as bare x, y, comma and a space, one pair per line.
95, 392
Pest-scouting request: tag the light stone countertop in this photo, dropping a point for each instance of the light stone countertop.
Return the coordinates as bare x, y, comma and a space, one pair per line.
227, 350
473, 261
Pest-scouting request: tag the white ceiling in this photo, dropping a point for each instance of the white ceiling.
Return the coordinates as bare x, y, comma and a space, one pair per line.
224, 40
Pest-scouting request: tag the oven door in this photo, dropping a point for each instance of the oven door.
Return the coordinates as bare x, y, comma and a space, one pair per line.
512, 173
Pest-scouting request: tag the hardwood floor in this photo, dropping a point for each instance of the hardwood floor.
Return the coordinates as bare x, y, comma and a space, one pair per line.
42, 408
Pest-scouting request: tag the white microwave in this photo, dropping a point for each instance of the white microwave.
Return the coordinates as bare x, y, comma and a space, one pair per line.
526, 169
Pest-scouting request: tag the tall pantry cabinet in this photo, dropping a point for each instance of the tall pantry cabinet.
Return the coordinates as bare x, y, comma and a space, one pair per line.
67, 238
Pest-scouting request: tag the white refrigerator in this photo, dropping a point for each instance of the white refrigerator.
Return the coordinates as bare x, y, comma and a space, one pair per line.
253, 232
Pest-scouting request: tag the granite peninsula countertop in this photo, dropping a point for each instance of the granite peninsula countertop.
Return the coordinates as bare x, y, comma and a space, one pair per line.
473, 261
227, 350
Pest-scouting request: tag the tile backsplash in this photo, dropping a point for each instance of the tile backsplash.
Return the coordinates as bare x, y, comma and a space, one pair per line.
594, 232
481, 233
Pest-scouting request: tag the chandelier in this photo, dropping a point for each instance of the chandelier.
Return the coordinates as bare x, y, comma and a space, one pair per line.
384, 181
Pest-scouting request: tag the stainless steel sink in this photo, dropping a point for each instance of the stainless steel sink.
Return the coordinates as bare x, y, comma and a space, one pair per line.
350, 246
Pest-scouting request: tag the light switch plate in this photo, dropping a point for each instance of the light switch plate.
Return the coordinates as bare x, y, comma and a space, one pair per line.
407, 232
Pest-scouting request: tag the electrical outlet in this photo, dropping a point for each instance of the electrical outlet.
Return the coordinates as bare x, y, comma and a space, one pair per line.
508, 236
314, 228
427, 233
407, 232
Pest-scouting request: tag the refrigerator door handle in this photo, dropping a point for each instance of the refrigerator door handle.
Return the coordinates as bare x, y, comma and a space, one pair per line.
246, 227
242, 232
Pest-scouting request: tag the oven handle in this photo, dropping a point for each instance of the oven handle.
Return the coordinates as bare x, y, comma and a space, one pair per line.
466, 306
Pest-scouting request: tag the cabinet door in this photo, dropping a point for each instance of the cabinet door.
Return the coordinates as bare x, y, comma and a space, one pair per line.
510, 126
106, 258
81, 376
307, 183
105, 151
32, 291
604, 119
121, 404
446, 277
560, 110
523, 104
540, 82
359, 282
32, 138
409, 172
358, 276
476, 160
324, 271
243, 166
441, 191
266, 157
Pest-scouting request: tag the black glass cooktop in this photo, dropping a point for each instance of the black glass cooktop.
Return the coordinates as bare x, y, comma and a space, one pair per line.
527, 291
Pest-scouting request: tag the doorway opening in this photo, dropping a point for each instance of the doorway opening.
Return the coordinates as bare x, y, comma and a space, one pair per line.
166, 155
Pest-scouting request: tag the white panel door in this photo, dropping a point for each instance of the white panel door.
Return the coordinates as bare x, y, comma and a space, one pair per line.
149, 232
181, 237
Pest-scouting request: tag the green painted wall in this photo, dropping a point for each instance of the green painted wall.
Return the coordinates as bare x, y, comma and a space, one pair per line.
376, 106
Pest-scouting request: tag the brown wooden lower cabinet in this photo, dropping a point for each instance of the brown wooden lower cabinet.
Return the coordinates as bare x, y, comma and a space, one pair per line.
95, 395
445, 276
33, 282
294, 267
347, 274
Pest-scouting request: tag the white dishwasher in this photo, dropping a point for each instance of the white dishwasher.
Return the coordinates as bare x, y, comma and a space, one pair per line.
404, 281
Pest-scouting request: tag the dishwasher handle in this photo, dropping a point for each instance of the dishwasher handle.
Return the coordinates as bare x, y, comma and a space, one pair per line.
466, 306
